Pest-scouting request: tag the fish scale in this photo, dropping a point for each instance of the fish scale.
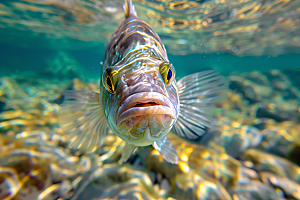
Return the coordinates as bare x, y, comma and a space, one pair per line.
127, 38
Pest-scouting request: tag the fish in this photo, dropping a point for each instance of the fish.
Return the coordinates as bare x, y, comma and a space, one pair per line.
140, 100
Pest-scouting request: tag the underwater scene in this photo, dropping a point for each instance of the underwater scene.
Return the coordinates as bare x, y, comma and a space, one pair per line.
149, 99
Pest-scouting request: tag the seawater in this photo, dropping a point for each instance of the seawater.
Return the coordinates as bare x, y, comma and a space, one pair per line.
47, 47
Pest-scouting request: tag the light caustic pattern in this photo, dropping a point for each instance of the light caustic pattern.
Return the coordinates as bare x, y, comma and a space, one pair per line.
245, 27
252, 153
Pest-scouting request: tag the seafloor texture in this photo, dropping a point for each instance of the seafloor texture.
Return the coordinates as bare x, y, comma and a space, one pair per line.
244, 27
253, 153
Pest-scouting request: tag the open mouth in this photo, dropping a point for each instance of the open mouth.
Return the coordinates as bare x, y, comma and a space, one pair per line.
145, 104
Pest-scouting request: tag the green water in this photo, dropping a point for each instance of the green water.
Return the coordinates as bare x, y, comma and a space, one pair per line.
252, 152
16, 59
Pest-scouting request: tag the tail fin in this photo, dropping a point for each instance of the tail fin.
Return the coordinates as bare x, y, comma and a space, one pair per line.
129, 8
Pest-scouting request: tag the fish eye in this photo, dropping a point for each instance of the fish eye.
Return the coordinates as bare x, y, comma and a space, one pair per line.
110, 82
166, 71
169, 74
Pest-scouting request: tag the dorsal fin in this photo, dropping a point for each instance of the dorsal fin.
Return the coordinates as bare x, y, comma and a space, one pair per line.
129, 8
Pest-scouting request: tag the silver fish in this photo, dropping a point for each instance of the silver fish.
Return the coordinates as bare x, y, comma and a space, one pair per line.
139, 99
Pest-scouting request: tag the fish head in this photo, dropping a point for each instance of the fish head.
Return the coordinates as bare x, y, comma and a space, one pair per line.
140, 100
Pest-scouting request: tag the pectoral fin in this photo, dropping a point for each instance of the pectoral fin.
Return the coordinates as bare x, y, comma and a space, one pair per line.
196, 93
128, 150
167, 150
82, 120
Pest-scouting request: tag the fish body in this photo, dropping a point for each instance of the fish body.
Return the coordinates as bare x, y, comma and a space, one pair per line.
139, 98
142, 108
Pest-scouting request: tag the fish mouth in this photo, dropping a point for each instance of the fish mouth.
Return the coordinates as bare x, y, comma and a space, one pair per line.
145, 104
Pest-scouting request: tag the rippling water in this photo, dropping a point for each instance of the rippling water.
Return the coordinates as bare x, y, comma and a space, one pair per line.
49, 46
245, 27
